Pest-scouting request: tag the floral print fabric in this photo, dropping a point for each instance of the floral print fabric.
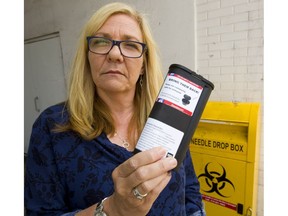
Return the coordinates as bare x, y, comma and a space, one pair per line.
65, 173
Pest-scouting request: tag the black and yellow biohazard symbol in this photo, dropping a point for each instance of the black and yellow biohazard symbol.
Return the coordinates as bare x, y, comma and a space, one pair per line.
214, 180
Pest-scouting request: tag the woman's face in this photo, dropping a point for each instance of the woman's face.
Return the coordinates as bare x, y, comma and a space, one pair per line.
114, 72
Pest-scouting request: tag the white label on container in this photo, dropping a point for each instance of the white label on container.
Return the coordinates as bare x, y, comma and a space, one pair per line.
180, 93
157, 133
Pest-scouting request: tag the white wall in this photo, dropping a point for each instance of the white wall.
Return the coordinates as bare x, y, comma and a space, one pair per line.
230, 47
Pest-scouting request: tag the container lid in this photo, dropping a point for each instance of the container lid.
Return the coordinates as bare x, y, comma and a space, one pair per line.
193, 73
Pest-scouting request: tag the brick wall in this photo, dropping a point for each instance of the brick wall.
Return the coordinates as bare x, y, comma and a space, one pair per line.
230, 47
230, 54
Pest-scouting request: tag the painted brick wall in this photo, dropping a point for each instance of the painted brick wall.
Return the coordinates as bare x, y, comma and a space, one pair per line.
230, 54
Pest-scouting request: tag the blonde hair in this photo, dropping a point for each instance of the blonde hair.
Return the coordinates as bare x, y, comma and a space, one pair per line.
88, 114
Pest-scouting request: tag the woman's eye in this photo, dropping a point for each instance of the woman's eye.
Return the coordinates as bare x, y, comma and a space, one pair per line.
99, 42
131, 45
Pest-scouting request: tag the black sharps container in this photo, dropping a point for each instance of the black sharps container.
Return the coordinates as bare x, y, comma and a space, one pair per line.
176, 112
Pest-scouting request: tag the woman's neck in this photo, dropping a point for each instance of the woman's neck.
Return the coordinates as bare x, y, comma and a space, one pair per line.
121, 106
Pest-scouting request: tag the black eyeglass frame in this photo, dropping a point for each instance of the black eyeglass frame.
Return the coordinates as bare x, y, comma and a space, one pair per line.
117, 43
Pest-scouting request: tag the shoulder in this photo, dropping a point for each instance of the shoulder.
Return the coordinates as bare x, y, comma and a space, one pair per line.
55, 114
55, 111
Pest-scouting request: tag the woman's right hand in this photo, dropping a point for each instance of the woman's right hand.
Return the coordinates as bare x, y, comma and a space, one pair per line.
148, 171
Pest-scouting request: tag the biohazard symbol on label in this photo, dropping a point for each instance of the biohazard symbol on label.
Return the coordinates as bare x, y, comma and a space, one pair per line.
214, 180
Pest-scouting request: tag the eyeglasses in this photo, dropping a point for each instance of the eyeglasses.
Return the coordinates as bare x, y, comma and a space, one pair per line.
102, 46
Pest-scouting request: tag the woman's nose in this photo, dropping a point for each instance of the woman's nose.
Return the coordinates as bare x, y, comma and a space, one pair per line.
115, 53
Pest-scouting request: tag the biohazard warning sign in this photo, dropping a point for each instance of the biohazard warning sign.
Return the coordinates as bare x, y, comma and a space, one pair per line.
215, 182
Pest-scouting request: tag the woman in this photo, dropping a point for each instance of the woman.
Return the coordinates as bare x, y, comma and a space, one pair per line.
80, 159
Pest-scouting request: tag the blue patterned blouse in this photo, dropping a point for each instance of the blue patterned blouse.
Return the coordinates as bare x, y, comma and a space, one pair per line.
65, 173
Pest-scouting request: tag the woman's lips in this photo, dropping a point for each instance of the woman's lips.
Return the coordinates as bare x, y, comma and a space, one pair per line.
114, 72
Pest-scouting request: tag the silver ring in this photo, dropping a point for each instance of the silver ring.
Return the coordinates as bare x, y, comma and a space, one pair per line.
138, 195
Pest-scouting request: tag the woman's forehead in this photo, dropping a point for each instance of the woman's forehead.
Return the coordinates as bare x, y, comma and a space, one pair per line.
121, 25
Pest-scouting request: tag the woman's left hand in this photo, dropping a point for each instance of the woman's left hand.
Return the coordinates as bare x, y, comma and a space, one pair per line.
148, 173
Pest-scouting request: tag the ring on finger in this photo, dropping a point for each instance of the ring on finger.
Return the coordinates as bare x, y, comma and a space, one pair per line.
138, 195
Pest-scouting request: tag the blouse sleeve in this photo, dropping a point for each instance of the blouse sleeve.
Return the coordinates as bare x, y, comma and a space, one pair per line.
44, 192
193, 197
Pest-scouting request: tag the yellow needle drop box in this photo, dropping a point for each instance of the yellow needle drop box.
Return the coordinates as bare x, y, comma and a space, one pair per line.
225, 152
